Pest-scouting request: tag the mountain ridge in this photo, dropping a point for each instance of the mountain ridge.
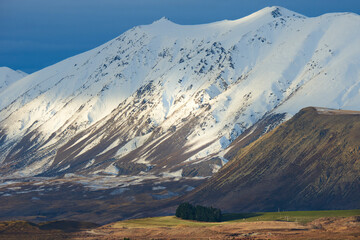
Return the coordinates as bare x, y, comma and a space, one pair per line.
193, 89
309, 162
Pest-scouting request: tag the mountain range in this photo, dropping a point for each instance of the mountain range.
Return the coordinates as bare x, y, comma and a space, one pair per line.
162, 107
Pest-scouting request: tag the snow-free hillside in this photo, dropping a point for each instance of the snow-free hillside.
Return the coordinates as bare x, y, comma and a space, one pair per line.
309, 162
166, 99
8, 76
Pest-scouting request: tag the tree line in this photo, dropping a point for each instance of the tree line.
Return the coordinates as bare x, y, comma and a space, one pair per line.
198, 213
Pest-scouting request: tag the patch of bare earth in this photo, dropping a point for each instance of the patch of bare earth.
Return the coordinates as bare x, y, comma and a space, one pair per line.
325, 228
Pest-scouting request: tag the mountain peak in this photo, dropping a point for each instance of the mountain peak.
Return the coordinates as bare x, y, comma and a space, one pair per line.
7, 69
277, 11
9, 76
265, 15
163, 20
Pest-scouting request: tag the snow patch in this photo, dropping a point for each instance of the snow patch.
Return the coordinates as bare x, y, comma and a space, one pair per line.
119, 191
90, 163
113, 145
111, 169
175, 174
158, 188
36, 167
214, 148
132, 145
64, 168
215, 168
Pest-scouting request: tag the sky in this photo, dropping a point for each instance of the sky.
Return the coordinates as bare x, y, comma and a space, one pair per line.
38, 33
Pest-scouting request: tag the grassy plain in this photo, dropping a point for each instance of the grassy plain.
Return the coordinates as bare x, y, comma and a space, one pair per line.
289, 216
342, 224
338, 224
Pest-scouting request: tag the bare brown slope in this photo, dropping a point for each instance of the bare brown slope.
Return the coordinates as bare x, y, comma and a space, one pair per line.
310, 162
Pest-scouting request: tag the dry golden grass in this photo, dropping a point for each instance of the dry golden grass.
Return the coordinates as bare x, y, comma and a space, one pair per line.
324, 228
170, 227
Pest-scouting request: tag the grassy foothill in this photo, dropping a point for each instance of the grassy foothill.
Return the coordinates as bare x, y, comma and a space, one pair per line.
290, 216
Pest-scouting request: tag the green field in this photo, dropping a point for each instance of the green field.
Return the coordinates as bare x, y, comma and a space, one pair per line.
292, 216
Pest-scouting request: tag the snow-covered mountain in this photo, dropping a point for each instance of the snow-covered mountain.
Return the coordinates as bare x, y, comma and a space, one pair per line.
166, 100
8, 76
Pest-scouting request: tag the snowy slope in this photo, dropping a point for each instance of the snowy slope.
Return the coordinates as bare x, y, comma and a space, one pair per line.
9, 76
165, 98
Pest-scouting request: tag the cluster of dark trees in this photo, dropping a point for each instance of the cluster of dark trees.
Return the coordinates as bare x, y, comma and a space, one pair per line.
198, 213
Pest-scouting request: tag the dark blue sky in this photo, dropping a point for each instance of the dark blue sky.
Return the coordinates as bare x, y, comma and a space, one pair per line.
38, 33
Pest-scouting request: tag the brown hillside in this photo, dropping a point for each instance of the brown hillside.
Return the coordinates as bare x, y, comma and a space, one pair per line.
310, 162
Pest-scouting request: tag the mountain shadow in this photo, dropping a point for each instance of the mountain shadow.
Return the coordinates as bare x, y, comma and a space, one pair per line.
310, 162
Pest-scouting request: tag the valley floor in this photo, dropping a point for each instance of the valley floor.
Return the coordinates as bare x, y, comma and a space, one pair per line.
173, 228
327, 228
